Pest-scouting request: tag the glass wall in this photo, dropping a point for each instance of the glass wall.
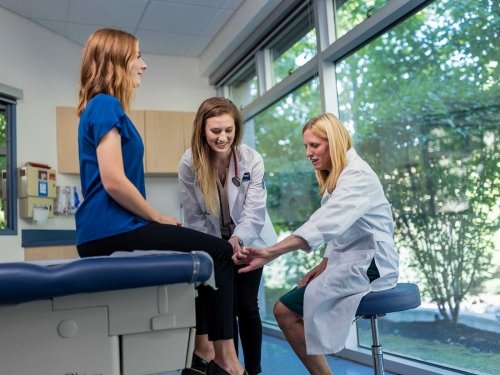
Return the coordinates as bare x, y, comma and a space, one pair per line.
292, 192
8, 206
418, 89
350, 13
3, 166
423, 100
295, 46
243, 87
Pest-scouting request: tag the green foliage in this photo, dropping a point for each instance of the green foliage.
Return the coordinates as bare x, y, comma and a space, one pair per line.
423, 101
292, 194
3, 221
290, 179
296, 56
3, 139
352, 12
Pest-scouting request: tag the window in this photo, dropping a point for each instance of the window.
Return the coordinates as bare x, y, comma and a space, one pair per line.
3, 166
296, 46
417, 84
350, 13
422, 100
243, 87
290, 180
8, 211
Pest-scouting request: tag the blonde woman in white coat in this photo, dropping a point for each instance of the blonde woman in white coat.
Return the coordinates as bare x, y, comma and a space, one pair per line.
223, 193
355, 223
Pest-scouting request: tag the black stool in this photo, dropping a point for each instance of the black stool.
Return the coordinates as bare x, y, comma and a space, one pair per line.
404, 296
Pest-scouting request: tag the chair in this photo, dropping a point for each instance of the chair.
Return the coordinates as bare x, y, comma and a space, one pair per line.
404, 296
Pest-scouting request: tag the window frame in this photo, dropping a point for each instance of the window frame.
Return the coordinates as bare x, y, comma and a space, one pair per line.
9, 97
331, 50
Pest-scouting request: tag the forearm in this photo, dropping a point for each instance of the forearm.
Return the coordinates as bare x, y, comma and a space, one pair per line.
127, 196
287, 245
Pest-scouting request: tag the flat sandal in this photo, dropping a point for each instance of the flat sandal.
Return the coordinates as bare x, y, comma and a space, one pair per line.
214, 369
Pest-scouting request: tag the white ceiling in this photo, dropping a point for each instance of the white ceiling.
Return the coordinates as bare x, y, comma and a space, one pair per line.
164, 27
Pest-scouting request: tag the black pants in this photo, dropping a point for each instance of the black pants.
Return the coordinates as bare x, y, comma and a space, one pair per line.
247, 318
215, 307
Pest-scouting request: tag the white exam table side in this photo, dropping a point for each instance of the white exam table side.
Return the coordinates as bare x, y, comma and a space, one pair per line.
100, 316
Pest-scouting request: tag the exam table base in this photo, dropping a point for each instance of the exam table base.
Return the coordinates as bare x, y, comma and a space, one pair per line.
123, 332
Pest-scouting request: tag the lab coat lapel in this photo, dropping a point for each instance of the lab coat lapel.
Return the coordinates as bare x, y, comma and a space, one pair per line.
201, 203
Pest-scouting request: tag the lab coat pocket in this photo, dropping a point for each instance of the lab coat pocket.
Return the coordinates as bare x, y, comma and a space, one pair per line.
242, 190
352, 267
357, 255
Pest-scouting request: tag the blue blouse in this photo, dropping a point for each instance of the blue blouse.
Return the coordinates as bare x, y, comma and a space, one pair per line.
100, 216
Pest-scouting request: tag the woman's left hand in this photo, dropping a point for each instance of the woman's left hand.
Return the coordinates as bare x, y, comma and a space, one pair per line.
312, 274
239, 253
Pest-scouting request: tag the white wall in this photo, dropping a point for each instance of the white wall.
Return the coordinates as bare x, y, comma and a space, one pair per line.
45, 67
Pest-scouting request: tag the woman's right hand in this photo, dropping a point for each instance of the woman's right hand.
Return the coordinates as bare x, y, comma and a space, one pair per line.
255, 258
166, 219
312, 274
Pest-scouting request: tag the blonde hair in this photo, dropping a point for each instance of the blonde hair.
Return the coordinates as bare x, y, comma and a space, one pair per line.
107, 57
203, 156
328, 127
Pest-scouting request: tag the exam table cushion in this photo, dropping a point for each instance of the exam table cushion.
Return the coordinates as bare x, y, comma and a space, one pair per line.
24, 281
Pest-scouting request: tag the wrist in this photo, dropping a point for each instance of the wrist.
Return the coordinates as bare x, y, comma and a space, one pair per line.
238, 240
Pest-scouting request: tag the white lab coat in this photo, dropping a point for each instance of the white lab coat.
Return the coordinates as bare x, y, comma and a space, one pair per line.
247, 203
355, 223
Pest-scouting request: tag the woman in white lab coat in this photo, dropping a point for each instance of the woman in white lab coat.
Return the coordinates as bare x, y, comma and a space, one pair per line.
355, 223
223, 193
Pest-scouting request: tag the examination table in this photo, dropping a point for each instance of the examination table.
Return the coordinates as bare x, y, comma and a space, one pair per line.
123, 314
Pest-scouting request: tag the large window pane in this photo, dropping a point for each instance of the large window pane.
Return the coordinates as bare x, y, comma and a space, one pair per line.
423, 101
3, 166
8, 206
349, 13
290, 181
295, 47
243, 88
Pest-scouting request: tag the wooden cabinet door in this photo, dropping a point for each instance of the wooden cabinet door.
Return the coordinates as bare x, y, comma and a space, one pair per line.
137, 118
67, 140
166, 135
164, 141
188, 118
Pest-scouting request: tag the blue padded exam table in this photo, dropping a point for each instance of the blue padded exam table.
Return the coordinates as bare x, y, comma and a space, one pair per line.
126, 314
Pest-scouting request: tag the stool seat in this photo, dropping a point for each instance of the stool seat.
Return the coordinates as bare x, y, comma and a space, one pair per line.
403, 296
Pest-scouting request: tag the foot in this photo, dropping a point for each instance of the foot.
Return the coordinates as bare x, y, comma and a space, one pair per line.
191, 371
214, 369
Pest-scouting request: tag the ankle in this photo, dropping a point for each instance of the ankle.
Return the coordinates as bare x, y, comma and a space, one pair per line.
205, 355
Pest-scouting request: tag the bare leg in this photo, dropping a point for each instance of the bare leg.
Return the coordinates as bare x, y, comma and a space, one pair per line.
225, 357
292, 325
204, 348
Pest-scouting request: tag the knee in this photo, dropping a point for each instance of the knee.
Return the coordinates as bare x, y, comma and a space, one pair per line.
281, 313
223, 254
247, 308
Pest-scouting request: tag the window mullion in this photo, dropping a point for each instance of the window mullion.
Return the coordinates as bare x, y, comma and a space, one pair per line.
325, 24
264, 68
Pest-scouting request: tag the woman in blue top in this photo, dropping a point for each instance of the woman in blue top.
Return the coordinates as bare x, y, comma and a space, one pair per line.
115, 214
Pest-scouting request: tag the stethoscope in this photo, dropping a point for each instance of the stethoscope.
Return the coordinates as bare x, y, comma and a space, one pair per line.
236, 180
